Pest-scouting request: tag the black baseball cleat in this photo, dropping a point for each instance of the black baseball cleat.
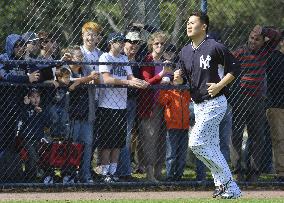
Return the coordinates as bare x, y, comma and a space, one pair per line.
230, 190
218, 191
221, 189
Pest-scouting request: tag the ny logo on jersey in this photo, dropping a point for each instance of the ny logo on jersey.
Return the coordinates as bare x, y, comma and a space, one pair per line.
205, 63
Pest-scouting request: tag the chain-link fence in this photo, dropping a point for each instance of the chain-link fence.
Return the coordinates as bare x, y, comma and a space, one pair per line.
75, 114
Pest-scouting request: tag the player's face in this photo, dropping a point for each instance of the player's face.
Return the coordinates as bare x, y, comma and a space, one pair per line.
195, 27
90, 38
255, 41
50, 46
33, 47
35, 99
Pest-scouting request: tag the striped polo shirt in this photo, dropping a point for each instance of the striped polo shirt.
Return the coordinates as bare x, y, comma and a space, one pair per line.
253, 65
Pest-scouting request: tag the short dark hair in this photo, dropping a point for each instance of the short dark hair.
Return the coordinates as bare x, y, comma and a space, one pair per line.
33, 91
62, 72
72, 49
204, 18
132, 28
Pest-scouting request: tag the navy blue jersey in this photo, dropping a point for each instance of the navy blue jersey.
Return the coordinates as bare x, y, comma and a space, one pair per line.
202, 64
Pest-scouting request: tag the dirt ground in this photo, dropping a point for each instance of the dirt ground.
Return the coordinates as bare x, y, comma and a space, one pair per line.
130, 195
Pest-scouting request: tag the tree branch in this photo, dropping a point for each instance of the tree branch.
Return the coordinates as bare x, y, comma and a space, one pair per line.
109, 19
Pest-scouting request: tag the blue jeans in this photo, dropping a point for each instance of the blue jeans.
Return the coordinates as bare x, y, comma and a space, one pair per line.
124, 162
225, 130
176, 151
82, 132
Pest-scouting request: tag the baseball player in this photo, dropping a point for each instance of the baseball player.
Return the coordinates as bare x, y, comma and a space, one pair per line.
199, 62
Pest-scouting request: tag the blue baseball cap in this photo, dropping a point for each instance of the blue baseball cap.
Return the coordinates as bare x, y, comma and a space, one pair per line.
115, 37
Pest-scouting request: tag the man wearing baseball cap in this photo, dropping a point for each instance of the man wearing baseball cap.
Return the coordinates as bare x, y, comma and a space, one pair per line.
131, 47
111, 114
32, 44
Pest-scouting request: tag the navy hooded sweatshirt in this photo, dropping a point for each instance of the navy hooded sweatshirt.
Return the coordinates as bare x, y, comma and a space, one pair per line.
13, 73
11, 99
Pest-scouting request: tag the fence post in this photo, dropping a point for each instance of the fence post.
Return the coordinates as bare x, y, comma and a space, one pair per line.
203, 6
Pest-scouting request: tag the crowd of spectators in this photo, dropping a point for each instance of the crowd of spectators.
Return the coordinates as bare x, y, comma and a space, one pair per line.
132, 122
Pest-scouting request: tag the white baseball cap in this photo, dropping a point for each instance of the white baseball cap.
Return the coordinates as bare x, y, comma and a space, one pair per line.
133, 36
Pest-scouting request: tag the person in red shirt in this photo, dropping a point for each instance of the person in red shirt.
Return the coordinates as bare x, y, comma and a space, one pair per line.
149, 110
248, 100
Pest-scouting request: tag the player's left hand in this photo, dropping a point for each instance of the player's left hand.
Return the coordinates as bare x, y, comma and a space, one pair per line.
213, 89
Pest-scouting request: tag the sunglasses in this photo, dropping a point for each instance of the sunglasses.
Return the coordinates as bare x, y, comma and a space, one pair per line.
19, 44
137, 42
157, 43
33, 42
48, 40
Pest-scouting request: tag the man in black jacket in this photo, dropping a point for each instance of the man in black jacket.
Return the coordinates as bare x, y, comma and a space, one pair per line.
275, 111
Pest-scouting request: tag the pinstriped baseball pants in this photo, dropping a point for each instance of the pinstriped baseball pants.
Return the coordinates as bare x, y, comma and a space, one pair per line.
204, 138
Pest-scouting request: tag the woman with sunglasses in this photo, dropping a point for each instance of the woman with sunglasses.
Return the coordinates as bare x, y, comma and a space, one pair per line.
149, 111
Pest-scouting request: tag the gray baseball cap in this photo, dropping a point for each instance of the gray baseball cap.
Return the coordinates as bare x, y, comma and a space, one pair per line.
30, 36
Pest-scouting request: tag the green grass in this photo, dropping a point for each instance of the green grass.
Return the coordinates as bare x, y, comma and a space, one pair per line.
189, 174
275, 200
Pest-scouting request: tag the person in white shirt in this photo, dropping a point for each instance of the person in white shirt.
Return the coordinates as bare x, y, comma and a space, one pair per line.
91, 37
111, 114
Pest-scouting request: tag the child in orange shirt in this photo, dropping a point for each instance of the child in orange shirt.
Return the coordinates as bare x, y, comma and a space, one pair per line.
176, 113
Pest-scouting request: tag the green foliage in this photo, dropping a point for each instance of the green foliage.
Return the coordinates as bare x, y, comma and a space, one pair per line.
10, 19
233, 19
167, 14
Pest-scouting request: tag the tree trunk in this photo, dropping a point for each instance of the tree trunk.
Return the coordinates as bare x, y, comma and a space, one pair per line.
178, 28
152, 8
133, 11
76, 21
